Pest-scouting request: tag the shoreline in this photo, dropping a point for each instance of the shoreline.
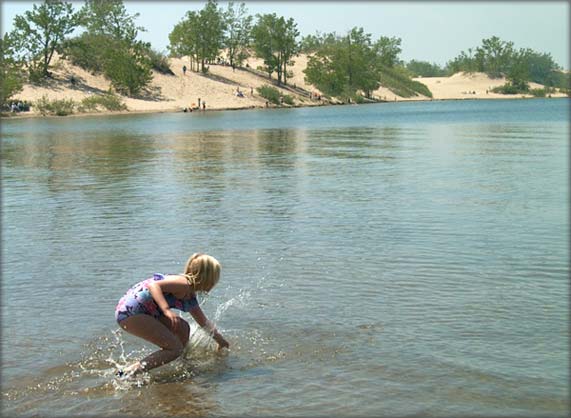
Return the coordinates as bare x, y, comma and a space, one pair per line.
33, 115
219, 88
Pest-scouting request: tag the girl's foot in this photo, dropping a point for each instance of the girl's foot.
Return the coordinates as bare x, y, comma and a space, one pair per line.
131, 370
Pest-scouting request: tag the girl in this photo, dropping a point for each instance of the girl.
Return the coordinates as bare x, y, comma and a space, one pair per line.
145, 311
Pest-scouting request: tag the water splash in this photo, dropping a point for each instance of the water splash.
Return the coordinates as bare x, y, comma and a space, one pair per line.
240, 300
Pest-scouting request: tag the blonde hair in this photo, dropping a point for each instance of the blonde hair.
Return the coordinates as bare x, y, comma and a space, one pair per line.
202, 272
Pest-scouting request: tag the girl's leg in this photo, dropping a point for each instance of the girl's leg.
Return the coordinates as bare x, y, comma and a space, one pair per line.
183, 330
152, 330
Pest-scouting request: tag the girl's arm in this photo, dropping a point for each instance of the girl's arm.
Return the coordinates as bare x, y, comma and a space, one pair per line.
174, 285
203, 321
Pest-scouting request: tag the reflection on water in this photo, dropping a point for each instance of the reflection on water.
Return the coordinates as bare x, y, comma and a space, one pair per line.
377, 260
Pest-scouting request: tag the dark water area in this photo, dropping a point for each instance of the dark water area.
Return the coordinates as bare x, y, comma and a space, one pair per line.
382, 260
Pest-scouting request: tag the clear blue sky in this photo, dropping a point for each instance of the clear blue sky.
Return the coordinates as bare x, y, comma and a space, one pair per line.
430, 30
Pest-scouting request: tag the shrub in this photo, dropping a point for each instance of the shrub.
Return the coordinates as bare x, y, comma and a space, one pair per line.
108, 101
425, 69
399, 82
128, 70
538, 92
58, 107
269, 93
287, 99
85, 51
159, 62
11, 79
510, 88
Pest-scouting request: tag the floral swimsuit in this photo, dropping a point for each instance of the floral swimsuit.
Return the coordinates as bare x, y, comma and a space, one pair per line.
138, 300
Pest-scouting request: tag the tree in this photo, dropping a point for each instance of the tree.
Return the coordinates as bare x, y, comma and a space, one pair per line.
110, 18
128, 70
238, 33
211, 32
388, 50
275, 41
344, 65
199, 35
541, 67
289, 46
110, 46
495, 55
40, 33
362, 62
182, 41
10, 71
310, 43
466, 62
518, 71
425, 69
264, 34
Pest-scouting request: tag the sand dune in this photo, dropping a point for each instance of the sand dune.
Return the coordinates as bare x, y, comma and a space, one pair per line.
169, 93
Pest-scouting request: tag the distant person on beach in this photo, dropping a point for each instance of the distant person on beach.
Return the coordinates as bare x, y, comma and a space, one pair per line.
145, 311
203, 105
184, 70
199, 102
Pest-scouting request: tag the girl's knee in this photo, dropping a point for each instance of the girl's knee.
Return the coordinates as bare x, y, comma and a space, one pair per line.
184, 333
178, 350
175, 347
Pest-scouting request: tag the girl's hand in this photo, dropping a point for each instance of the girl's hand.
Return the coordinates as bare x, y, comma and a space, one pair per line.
222, 343
173, 318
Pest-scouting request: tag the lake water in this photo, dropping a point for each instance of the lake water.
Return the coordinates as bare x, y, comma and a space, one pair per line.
378, 260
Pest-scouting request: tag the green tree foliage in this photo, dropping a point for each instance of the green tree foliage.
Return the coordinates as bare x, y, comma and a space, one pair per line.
398, 80
182, 40
86, 51
288, 45
363, 61
110, 18
499, 58
269, 93
200, 35
324, 70
39, 33
128, 70
351, 65
264, 34
540, 67
343, 65
562, 80
110, 46
159, 61
425, 69
494, 56
518, 70
388, 50
238, 33
11, 81
275, 41
312, 43
464, 62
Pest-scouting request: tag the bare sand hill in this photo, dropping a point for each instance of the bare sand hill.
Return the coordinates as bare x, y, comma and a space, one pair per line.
470, 86
218, 88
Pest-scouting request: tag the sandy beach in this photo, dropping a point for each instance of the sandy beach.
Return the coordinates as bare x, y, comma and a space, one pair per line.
218, 88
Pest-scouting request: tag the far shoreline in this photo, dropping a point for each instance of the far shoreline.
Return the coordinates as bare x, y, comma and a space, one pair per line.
28, 115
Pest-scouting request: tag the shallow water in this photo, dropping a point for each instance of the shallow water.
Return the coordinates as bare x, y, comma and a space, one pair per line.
383, 260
